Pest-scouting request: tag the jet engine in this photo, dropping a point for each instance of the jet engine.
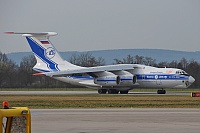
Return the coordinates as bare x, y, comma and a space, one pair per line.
128, 79
108, 80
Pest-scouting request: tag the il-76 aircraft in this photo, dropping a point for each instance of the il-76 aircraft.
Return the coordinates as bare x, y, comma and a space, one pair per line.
111, 78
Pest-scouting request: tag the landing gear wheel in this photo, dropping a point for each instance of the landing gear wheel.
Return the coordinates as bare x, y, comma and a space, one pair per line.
102, 91
113, 91
123, 92
161, 92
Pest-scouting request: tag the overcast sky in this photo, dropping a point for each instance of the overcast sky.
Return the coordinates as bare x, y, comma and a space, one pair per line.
84, 25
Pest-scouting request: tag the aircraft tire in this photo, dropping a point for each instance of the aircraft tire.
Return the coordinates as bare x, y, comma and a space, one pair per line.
164, 91
124, 92
113, 91
161, 92
102, 91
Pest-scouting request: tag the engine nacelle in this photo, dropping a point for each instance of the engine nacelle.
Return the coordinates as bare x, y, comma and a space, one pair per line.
108, 80
128, 80
126, 77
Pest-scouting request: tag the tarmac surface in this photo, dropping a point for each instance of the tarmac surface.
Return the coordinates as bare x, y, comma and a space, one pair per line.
132, 120
116, 120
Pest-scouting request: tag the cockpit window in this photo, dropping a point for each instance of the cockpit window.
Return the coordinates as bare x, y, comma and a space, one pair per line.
181, 72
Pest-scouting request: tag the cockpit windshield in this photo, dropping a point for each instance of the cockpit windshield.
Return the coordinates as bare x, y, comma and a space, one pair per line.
181, 72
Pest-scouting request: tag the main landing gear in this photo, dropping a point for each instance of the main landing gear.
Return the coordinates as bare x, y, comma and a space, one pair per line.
111, 91
102, 91
161, 91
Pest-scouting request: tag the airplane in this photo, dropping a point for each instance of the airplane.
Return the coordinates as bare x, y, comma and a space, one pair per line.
111, 79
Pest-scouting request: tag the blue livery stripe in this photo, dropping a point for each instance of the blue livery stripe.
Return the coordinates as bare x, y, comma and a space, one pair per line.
126, 79
103, 80
41, 70
139, 77
40, 53
161, 77
81, 77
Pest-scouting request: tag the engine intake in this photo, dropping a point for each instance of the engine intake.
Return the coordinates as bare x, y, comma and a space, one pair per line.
128, 80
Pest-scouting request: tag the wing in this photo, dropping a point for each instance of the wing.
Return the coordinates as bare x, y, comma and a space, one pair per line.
92, 70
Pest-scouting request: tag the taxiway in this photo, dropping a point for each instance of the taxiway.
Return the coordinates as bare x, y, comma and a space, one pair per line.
116, 120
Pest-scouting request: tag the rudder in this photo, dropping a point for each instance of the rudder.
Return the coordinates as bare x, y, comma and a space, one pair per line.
48, 59
46, 55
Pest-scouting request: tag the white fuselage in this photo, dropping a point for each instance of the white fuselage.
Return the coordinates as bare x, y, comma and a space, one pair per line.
147, 77
111, 78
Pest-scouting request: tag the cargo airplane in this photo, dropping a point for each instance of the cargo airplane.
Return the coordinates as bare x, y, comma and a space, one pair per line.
111, 79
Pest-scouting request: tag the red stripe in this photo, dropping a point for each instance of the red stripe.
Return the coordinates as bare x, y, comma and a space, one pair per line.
9, 32
39, 74
45, 42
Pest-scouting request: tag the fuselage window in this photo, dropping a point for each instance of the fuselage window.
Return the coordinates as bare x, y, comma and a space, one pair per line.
182, 73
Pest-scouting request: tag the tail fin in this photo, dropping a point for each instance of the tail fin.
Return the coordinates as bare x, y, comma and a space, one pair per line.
48, 59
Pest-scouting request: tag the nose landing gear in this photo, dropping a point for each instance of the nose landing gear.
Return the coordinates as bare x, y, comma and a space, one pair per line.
161, 91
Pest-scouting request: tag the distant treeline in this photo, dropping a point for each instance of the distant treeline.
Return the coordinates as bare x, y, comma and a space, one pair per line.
18, 76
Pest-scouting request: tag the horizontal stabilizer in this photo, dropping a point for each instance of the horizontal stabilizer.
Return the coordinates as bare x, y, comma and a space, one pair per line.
33, 34
39, 74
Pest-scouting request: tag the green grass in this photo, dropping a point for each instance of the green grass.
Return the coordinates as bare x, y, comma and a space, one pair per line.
102, 101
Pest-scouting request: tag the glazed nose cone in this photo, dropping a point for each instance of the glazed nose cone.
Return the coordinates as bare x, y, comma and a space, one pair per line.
191, 79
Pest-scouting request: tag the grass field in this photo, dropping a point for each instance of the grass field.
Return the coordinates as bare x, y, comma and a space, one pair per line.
102, 101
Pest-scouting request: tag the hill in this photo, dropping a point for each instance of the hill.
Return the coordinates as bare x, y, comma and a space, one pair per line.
158, 54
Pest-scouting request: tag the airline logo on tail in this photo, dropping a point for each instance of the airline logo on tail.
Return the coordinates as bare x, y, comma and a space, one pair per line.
50, 52
48, 59
45, 52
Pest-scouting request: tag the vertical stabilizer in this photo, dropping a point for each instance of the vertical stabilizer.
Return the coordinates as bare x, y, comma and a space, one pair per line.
48, 59
46, 55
